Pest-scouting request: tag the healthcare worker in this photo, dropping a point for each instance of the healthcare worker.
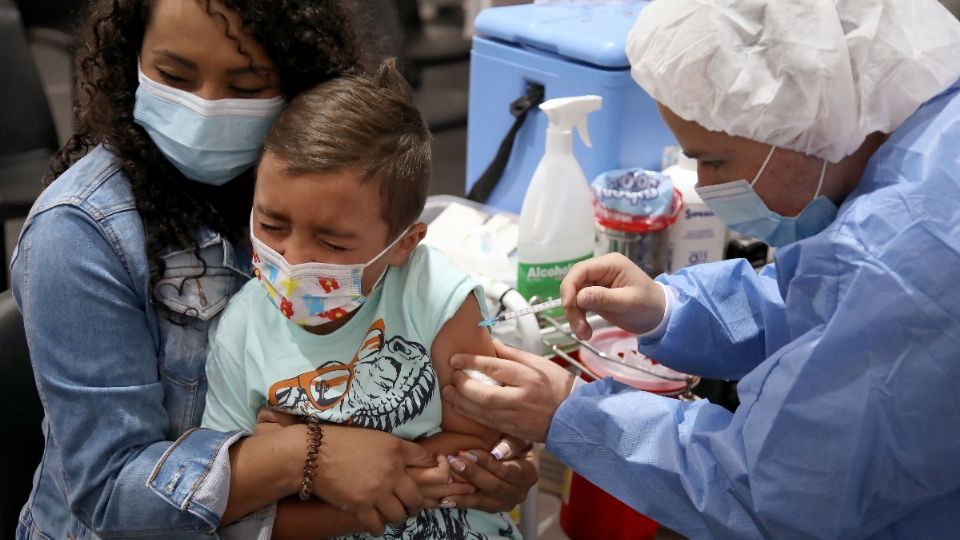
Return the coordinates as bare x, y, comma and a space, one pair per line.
830, 129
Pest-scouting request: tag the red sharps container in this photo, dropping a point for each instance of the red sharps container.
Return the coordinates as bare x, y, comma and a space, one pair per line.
587, 512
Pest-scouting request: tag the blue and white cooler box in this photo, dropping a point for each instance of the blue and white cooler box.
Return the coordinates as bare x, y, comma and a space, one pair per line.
571, 50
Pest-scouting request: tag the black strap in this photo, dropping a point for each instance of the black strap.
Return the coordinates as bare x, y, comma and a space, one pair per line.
481, 191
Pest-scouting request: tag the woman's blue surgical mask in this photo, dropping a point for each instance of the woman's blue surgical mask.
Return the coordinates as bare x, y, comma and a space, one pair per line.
208, 141
738, 205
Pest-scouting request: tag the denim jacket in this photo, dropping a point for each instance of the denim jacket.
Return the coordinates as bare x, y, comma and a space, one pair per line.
122, 386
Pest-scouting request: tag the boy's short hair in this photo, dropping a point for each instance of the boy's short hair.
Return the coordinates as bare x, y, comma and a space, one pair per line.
365, 122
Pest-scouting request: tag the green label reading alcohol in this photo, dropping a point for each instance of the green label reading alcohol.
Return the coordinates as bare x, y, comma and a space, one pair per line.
543, 281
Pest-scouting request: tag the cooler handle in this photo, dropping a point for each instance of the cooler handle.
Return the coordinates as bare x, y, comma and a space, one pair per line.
487, 182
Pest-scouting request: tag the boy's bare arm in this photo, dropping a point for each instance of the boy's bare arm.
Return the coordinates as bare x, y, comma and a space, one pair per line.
447, 443
460, 334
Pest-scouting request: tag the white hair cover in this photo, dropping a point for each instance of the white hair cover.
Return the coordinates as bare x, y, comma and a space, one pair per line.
815, 76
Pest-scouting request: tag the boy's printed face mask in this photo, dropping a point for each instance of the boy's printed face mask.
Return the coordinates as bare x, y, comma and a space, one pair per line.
312, 294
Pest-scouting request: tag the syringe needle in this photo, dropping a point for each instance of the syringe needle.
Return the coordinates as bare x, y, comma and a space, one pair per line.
521, 312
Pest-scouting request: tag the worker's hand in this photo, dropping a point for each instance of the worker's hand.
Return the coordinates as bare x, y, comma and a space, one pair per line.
501, 483
364, 471
616, 289
533, 388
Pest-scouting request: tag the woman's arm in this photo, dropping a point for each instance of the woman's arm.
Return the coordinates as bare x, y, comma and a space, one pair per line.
309, 520
94, 354
298, 519
361, 470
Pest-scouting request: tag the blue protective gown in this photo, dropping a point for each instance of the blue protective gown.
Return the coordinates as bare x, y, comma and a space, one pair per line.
848, 351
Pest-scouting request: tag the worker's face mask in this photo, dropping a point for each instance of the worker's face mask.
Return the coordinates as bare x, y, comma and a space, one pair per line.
311, 294
208, 141
740, 208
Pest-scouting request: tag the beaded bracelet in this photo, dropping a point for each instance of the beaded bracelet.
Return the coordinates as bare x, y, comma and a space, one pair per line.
314, 439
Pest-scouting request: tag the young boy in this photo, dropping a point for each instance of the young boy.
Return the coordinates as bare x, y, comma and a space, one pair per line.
348, 319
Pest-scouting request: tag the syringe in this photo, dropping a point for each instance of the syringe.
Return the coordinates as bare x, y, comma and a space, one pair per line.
510, 315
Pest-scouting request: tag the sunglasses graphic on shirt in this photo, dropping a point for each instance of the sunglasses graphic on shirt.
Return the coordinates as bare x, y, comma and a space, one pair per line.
326, 386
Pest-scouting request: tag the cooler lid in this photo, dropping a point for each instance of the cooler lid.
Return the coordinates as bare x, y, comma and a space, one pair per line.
595, 34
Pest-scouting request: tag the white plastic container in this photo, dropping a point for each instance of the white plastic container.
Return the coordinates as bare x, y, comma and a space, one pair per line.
556, 221
698, 235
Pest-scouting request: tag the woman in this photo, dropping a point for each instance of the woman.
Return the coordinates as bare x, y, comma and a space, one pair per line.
135, 248
831, 130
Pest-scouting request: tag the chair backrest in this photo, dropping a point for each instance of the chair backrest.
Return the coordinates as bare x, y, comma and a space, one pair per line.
25, 118
22, 444
57, 14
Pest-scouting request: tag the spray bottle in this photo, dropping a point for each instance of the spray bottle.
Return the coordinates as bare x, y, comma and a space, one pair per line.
556, 227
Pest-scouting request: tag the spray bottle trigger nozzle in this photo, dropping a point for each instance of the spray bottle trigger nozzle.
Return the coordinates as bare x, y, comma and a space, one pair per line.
584, 131
565, 114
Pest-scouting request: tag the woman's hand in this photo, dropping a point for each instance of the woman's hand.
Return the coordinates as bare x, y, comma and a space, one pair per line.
500, 484
364, 471
533, 388
615, 288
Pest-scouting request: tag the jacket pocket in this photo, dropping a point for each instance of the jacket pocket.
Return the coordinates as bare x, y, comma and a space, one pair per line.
199, 287
194, 290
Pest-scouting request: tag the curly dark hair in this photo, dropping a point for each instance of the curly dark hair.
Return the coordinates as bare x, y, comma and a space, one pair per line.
309, 42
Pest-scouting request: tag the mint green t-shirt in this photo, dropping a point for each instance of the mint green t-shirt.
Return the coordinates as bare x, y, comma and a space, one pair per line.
374, 372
